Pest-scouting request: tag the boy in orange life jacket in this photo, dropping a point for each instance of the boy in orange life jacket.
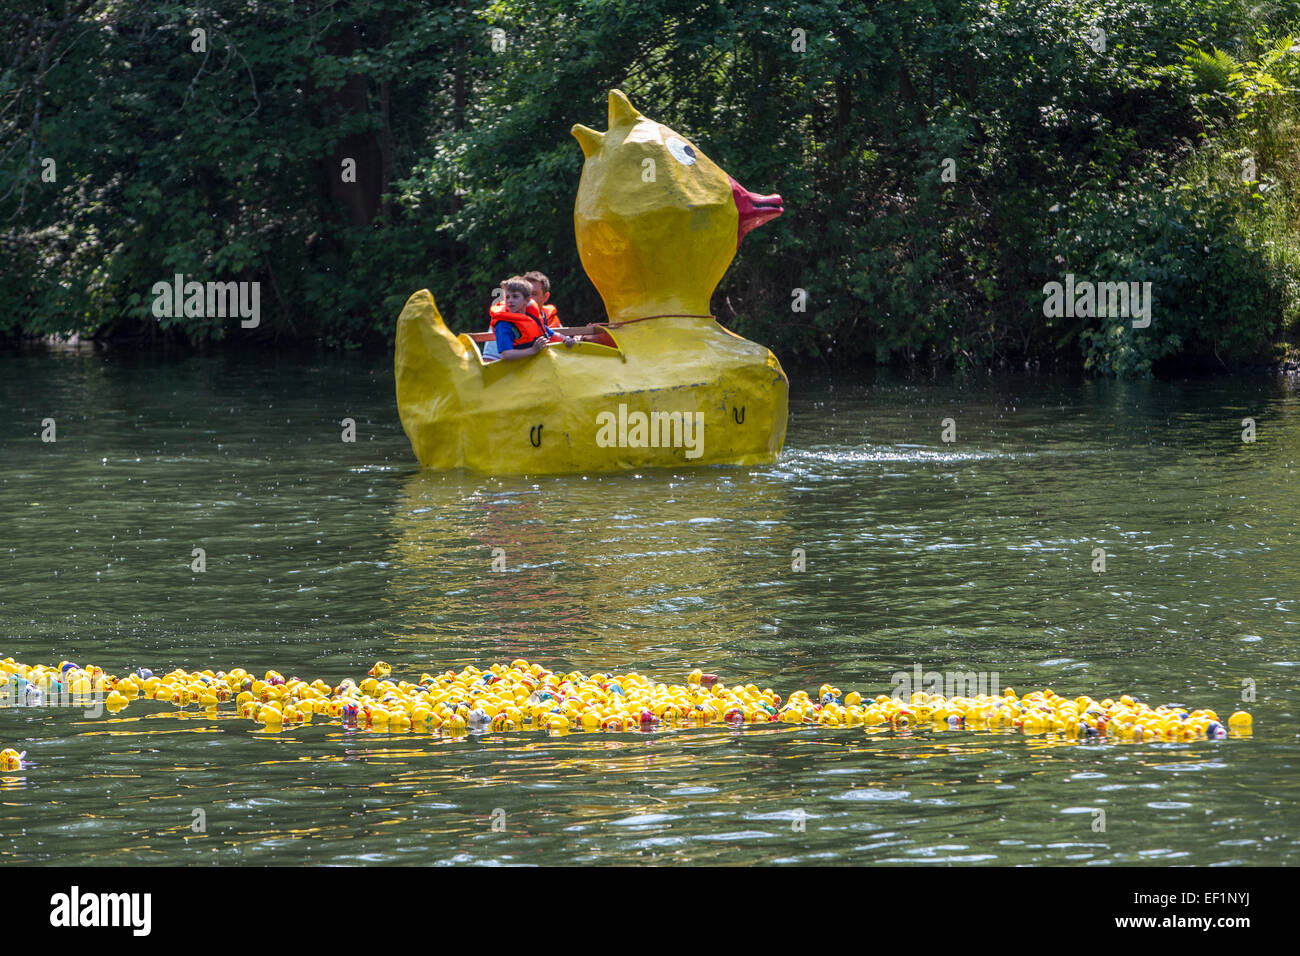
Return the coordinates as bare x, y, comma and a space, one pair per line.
490, 353
520, 331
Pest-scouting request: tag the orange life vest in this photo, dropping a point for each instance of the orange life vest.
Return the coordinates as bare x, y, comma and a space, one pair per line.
496, 308
528, 326
551, 313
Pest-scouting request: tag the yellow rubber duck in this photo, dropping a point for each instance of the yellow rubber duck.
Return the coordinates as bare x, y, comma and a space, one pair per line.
11, 759
657, 224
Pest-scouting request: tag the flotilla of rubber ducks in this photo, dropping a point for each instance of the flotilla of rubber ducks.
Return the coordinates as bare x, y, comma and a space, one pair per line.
523, 696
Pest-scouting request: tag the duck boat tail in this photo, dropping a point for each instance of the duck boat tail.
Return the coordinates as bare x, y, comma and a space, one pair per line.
436, 373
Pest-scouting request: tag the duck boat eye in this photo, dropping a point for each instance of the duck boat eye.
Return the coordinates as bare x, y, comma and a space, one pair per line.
681, 152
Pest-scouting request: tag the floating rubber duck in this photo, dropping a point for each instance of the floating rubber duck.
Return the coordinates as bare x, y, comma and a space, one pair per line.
32, 696
11, 759
662, 384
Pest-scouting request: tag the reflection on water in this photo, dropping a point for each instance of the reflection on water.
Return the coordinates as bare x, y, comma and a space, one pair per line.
604, 569
967, 556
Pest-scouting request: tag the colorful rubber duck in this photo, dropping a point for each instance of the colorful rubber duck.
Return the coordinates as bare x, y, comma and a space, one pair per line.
32, 696
657, 224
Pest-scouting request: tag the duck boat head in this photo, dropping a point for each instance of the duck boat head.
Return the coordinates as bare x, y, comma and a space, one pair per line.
661, 383
657, 221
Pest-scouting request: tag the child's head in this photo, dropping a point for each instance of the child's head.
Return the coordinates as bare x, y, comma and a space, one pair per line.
517, 292
541, 286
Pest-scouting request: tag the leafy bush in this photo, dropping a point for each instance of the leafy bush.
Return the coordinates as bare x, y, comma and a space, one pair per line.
1215, 294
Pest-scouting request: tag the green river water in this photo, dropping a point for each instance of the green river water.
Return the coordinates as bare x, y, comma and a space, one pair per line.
976, 555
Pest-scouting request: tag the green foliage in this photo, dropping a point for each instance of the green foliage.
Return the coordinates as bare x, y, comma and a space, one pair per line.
1214, 72
1124, 164
1215, 293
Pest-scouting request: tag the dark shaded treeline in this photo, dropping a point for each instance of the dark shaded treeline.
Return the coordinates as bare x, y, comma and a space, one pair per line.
941, 160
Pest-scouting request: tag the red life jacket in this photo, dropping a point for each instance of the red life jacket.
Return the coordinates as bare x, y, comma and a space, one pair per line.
528, 326
552, 316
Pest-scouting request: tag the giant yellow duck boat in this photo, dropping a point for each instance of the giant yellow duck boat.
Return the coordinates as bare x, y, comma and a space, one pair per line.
660, 383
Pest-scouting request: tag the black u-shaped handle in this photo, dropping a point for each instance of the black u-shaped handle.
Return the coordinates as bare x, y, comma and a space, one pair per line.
535, 436
740, 418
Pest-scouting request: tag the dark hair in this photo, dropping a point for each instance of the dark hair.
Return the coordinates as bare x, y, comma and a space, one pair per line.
540, 279
516, 284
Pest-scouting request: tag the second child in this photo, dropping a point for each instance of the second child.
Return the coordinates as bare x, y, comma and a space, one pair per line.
542, 295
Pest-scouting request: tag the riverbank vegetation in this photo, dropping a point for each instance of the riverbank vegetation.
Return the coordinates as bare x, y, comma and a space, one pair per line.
940, 160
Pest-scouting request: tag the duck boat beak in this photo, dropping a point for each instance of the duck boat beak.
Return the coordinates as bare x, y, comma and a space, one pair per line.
754, 208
